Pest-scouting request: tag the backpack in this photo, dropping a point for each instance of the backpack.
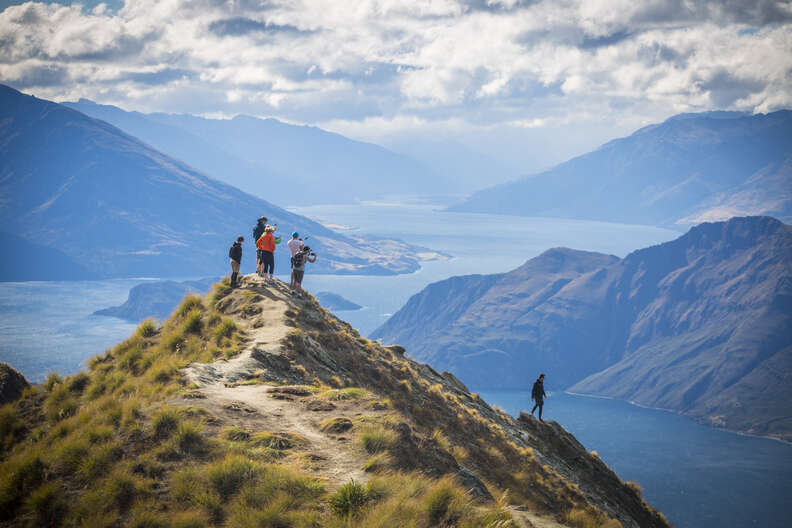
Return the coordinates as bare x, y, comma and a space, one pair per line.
257, 232
231, 251
299, 259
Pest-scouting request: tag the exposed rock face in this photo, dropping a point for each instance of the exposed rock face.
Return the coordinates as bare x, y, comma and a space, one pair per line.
688, 169
701, 325
12, 383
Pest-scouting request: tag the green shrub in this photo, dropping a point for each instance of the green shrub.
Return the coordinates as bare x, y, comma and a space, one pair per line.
230, 474
376, 439
349, 500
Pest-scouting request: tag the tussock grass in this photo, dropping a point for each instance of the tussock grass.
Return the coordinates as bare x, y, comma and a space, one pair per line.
190, 303
377, 463
589, 518
47, 504
12, 428
279, 441
148, 328
224, 329
376, 438
235, 434
229, 475
349, 500
348, 393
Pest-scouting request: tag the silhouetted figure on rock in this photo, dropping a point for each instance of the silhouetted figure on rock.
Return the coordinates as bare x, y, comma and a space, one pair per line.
538, 395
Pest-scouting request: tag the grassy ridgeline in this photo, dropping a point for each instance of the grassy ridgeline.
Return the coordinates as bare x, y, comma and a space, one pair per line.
104, 448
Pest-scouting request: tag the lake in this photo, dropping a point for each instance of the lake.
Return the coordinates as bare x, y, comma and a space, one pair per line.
698, 476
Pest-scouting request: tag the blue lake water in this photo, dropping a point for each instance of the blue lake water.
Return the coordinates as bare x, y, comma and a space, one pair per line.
699, 477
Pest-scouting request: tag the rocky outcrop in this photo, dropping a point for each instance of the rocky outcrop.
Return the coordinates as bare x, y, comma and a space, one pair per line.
12, 383
701, 325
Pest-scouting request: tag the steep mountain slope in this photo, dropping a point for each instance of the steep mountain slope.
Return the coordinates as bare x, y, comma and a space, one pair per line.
253, 408
690, 168
184, 145
24, 260
265, 157
117, 207
701, 325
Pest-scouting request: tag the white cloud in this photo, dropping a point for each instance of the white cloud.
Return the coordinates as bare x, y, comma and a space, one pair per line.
374, 65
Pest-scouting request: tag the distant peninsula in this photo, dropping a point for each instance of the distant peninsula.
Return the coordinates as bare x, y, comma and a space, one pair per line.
156, 299
336, 302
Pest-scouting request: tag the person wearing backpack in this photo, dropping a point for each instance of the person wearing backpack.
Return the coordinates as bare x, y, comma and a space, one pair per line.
295, 245
235, 254
538, 395
266, 243
261, 225
298, 269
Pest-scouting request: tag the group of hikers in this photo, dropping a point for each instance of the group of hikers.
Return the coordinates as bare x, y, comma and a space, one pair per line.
266, 240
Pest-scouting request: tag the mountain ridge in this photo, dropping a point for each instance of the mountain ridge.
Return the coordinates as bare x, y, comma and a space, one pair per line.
258, 155
252, 406
695, 325
689, 168
117, 207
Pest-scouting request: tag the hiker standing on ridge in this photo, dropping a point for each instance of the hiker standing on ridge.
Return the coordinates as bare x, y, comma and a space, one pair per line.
257, 232
295, 246
298, 271
235, 254
538, 395
266, 243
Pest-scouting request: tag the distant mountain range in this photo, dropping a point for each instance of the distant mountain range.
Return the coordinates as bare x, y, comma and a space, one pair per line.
112, 206
701, 325
689, 169
289, 164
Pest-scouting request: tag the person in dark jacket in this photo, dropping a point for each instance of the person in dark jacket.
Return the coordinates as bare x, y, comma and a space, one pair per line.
261, 225
235, 254
538, 395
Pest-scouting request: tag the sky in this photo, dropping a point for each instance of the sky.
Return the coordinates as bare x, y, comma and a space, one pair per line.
529, 83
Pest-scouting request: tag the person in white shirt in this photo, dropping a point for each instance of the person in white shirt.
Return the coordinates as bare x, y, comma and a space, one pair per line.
295, 246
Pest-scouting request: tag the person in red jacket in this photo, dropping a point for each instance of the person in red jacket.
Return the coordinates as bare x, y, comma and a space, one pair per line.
266, 243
